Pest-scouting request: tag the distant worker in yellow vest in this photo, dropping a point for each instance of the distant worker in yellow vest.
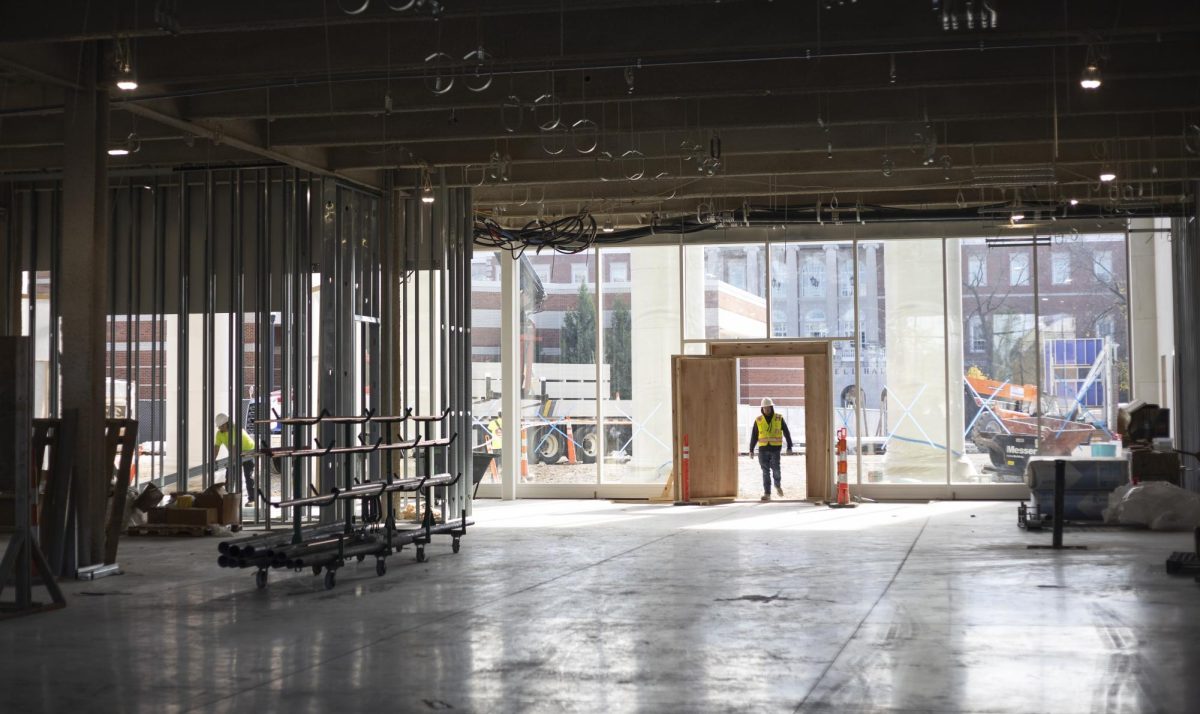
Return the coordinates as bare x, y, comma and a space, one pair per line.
768, 434
222, 439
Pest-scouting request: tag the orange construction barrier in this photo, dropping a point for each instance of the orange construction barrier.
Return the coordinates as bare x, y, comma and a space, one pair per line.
570, 445
843, 484
524, 455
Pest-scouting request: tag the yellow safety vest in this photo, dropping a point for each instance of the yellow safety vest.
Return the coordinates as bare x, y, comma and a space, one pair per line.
770, 434
494, 428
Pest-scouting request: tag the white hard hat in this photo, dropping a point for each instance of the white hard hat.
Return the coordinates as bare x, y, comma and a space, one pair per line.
766, 402
222, 419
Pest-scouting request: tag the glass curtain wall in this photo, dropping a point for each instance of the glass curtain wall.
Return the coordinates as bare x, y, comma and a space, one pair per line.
950, 356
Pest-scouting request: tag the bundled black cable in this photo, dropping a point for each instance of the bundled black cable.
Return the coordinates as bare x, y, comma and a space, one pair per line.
571, 235
568, 235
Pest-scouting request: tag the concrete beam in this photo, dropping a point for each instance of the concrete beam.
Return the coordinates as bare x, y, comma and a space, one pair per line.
243, 137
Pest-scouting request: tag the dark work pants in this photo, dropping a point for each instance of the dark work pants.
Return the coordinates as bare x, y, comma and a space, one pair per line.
768, 459
247, 473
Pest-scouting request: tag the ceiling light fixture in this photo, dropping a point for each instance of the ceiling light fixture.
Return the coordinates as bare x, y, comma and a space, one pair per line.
1074, 201
1090, 79
608, 226
1107, 176
124, 76
131, 145
426, 187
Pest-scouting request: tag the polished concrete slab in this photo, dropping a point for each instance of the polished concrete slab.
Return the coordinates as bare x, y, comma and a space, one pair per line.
587, 606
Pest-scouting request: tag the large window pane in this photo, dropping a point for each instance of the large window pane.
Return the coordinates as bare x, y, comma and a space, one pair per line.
485, 363
912, 402
725, 292
995, 388
812, 289
558, 366
1084, 325
640, 288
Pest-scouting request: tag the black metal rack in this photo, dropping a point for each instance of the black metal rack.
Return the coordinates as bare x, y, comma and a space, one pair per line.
376, 532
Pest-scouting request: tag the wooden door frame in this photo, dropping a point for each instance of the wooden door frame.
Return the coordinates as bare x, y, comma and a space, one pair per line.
818, 400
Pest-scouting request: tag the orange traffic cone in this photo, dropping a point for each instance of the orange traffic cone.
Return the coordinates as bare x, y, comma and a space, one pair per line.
843, 484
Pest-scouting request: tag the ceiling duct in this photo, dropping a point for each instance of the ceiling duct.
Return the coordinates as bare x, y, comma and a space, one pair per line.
1015, 177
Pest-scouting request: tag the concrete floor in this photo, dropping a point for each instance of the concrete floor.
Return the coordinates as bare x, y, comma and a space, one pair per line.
590, 606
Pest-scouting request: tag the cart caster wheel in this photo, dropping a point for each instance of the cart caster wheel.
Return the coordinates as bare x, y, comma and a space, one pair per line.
361, 558
316, 570
330, 579
455, 545
420, 555
260, 579
380, 567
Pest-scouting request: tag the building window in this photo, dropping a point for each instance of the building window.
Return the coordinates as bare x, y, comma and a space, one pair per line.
543, 272
735, 270
977, 270
813, 276
579, 273
1102, 266
814, 324
779, 323
1060, 264
481, 269
1106, 326
618, 271
846, 278
1018, 269
976, 337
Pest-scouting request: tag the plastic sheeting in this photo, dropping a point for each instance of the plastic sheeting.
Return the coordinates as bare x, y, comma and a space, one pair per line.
1157, 505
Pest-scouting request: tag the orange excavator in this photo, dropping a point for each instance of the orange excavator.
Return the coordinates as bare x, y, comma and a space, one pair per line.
1004, 424
1006, 400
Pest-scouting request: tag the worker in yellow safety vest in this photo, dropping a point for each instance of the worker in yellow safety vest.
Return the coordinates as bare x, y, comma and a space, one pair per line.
225, 432
768, 434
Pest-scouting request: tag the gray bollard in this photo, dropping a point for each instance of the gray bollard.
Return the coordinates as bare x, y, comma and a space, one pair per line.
1060, 497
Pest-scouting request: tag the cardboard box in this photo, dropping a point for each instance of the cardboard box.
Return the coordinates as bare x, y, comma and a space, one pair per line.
149, 498
1156, 466
227, 505
191, 516
181, 516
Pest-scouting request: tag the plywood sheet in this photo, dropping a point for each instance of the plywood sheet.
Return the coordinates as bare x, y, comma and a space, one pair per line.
818, 414
705, 405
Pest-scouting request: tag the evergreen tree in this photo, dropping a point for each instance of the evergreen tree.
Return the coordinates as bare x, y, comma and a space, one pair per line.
618, 349
579, 330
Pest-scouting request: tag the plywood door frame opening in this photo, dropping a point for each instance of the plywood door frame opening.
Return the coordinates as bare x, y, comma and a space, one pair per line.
817, 403
818, 400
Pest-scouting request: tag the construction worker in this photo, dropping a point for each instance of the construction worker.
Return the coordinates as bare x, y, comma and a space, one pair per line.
222, 439
769, 433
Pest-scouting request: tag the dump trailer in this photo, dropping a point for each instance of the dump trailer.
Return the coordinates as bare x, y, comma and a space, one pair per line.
563, 405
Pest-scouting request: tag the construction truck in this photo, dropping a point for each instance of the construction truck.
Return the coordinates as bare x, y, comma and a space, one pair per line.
560, 409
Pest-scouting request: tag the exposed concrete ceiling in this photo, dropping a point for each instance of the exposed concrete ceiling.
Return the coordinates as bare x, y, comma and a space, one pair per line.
871, 102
